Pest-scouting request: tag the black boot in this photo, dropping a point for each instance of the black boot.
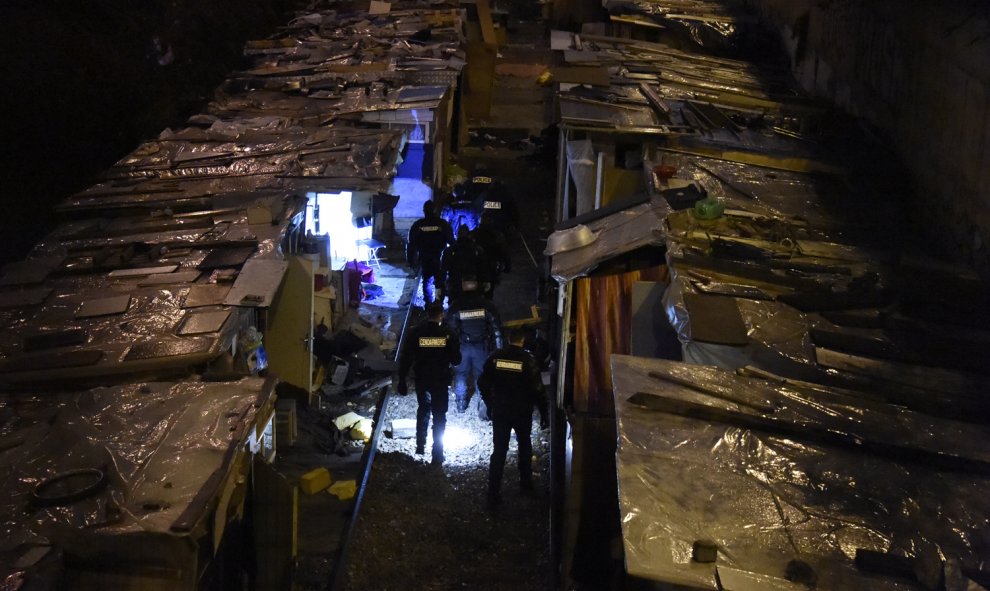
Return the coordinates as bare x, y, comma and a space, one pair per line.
437, 455
494, 499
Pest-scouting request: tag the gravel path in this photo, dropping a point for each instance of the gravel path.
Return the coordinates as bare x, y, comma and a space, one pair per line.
429, 528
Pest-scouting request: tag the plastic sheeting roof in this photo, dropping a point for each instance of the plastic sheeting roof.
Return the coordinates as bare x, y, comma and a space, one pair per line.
860, 476
161, 445
617, 233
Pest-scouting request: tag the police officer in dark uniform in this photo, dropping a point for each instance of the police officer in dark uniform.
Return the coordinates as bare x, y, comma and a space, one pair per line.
428, 238
491, 239
465, 265
511, 386
496, 202
459, 209
476, 322
431, 349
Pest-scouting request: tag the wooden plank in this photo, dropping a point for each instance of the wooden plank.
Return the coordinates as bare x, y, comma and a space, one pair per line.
187, 276
207, 294
736, 290
759, 406
28, 272
142, 272
51, 340
485, 20
821, 434
50, 360
24, 297
226, 257
914, 348
104, 306
202, 322
747, 270
164, 348
927, 378
715, 319
593, 75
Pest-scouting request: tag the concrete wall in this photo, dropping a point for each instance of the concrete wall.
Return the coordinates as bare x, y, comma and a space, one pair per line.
919, 72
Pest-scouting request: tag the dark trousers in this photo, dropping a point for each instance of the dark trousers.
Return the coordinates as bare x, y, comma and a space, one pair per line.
433, 399
473, 356
432, 281
502, 428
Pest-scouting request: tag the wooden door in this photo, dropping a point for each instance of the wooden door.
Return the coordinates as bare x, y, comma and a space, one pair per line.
290, 326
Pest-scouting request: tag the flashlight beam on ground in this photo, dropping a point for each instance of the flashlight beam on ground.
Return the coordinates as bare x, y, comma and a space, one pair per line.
455, 438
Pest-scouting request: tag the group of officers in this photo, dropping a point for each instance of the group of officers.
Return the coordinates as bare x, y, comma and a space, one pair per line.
466, 345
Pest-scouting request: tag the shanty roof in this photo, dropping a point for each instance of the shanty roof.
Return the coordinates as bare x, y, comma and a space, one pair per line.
788, 478
617, 233
153, 265
144, 458
826, 420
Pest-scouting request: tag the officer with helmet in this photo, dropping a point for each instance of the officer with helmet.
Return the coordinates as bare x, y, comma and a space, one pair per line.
476, 322
431, 349
495, 202
491, 239
511, 386
460, 210
465, 266
428, 238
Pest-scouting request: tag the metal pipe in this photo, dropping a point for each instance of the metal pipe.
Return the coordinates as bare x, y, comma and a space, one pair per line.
562, 176
599, 179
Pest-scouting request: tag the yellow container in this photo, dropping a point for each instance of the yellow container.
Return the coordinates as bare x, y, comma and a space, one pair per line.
315, 481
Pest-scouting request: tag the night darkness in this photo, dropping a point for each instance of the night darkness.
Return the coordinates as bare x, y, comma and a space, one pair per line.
84, 83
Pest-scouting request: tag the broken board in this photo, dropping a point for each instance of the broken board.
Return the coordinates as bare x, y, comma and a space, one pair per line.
715, 319
162, 348
24, 297
143, 271
104, 306
51, 340
202, 322
28, 272
226, 257
170, 278
207, 294
257, 283
50, 360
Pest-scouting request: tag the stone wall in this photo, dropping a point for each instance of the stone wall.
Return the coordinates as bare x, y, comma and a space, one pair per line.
919, 73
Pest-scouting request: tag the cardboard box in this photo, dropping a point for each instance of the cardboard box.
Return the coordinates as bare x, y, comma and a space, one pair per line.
315, 481
344, 490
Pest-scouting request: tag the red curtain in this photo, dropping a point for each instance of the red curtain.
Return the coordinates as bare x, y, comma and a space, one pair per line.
603, 309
